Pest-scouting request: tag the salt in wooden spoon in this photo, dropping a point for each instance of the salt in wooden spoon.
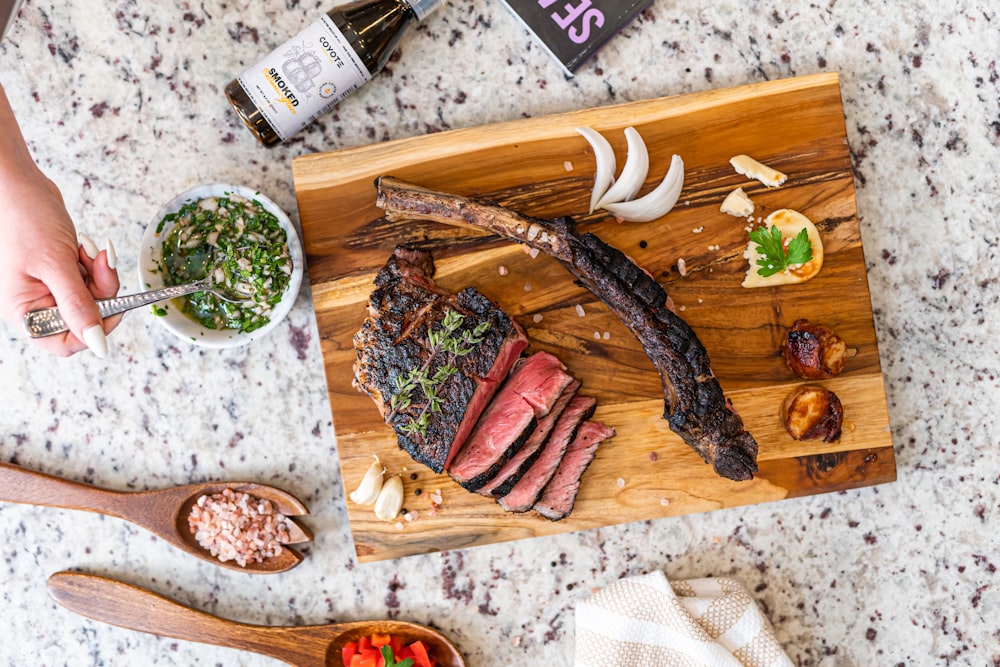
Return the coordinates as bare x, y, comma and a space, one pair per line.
127, 606
164, 512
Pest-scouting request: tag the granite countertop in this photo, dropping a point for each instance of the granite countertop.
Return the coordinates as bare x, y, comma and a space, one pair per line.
122, 105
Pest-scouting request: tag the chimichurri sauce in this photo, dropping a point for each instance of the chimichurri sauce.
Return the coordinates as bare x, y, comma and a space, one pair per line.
246, 247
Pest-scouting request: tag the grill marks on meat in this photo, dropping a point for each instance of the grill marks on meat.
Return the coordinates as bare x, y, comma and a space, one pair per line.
404, 307
534, 386
694, 404
560, 493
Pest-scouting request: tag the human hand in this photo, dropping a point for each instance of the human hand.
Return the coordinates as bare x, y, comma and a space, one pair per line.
45, 264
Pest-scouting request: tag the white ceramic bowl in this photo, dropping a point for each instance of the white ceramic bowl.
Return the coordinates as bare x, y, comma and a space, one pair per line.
179, 324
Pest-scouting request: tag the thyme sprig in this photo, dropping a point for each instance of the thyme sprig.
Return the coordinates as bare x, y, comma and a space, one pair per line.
443, 340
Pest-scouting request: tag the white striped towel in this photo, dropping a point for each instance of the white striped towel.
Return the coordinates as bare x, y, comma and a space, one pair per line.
647, 621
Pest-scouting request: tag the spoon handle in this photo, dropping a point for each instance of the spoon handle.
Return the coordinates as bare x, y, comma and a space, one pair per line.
20, 485
48, 322
135, 608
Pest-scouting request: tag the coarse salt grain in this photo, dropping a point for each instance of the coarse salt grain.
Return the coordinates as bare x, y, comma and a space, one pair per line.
664, 501
536, 318
502, 270
567, 165
682, 267
698, 230
399, 525
238, 526
607, 335
580, 311
527, 287
620, 482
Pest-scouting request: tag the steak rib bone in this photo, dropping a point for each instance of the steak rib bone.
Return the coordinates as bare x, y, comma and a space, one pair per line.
694, 405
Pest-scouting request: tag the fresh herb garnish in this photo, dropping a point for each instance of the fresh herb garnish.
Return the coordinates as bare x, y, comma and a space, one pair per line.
443, 340
774, 256
390, 659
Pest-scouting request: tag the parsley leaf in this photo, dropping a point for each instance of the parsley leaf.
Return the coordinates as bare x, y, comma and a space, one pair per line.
774, 257
390, 659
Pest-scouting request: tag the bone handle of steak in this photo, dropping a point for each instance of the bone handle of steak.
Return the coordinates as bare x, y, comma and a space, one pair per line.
405, 201
694, 404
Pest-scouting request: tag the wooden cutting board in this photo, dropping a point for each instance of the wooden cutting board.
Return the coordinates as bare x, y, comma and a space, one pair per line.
542, 167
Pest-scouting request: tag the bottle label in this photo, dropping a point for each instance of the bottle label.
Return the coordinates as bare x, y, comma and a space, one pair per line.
304, 77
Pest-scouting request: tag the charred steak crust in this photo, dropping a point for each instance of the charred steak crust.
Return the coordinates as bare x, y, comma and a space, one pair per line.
694, 404
393, 340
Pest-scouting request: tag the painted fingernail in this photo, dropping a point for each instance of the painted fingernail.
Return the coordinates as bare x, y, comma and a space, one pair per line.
89, 246
95, 339
112, 255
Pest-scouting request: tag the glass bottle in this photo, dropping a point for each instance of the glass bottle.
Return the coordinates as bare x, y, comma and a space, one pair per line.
311, 73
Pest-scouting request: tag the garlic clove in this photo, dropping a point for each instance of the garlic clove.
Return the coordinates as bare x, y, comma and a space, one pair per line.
658, 201
370, 486
633, 173
604, 172
390, 499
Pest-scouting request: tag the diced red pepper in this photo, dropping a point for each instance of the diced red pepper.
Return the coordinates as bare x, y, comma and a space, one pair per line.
420, 656
364, 660
348, 652
366, 652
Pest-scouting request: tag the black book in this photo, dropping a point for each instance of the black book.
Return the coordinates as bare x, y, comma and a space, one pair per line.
574, 30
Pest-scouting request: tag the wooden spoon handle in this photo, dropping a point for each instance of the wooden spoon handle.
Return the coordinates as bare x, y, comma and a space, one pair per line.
135, 608
20, 485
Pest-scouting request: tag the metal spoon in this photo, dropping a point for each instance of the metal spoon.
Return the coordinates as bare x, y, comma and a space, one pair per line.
135, 608
163, 512
48, 322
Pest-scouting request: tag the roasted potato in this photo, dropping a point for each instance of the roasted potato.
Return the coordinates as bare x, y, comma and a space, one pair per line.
813, 413
813, 351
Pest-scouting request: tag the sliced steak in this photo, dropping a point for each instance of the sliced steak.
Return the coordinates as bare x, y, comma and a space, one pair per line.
529, 488
529, 394
462, 344
560, 493
520, 463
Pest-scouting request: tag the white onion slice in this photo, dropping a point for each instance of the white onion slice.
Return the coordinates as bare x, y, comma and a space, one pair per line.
604, 172
657, 202
633, 173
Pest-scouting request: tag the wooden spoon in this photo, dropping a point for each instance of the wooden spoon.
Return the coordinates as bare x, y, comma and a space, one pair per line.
135, 608
163, 512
